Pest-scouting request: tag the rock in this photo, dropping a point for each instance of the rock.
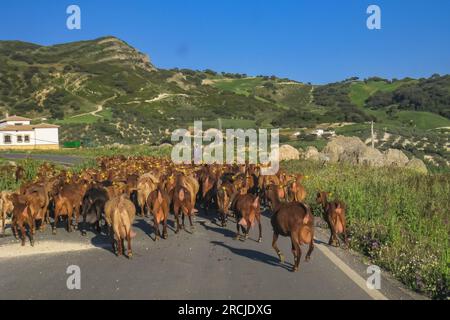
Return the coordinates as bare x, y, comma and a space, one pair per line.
165, 145
394, 157
344, 149
288, 152
311, 153
371, 157
417, 165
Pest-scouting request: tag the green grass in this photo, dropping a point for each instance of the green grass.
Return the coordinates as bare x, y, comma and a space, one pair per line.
230, 124
85, 119
398, 218
360, 91
423, 120
239, 86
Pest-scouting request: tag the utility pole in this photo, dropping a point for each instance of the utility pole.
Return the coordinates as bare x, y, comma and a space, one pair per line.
373, 138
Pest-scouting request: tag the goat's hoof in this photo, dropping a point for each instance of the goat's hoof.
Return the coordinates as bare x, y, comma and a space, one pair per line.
32, 243
83, 233
54, 232
165, 236
130, 255
281, 258
23, 244
308, 258
237, 237
259, 240
294, 269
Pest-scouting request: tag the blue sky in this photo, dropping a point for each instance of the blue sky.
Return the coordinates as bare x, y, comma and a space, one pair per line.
312, 41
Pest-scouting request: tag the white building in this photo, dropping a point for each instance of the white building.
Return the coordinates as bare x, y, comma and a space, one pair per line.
17, 133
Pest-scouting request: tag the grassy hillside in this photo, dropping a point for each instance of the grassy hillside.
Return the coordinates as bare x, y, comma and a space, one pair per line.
104, 91
362, 90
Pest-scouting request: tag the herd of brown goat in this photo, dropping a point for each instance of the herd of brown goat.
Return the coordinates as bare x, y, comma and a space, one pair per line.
121, 187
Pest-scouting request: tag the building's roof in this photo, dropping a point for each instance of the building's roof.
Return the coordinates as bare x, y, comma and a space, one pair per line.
15, 118
28, 127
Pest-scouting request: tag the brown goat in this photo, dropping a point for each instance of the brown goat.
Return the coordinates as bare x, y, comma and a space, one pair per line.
246, 208
296, 221
182, 205
335, 218
21, 216
68, 203
6, 207
38, 201
158, 203
120, 213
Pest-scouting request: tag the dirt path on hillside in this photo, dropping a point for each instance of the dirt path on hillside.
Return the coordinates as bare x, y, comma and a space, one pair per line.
98, 110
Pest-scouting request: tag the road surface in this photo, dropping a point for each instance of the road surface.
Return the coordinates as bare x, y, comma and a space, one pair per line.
55, 158
208, 264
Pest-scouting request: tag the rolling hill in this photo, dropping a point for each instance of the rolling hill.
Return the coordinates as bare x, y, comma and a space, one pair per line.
105, 91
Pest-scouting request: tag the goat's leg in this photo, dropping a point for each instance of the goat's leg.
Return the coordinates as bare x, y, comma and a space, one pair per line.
238, 233
14, 228
182, 220
332, 232
165, 233
176, 211
247, 230
77, 216
69, 220
129, 251
114, 247
274, 245
55, 223
298, 252
119, 247
260, 229
156, 228
190, 222
310, 250
32, 224
23, 232
3, 224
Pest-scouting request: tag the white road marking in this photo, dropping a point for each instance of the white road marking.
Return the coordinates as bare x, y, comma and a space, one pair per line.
15, 250
355, 277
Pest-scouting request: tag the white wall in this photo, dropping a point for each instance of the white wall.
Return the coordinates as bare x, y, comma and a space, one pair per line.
14, 135
13, 123
46, 136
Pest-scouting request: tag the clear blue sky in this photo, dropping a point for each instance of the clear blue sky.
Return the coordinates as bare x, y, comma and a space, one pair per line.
317, 41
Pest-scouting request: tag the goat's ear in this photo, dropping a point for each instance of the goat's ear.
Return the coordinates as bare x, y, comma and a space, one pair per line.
255, 203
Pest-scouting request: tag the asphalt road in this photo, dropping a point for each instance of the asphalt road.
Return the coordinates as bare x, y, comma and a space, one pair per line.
207, 264
55, 158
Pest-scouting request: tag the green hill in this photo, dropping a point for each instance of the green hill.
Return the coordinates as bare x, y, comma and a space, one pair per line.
105, 91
